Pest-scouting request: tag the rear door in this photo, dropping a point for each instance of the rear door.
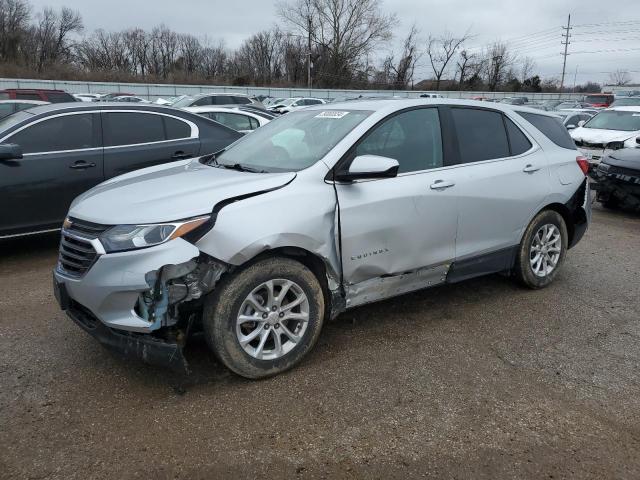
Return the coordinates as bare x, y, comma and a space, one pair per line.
62, 159
137, 139
503, 180
394, 225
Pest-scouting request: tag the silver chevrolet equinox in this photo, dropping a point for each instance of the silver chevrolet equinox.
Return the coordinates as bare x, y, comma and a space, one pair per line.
321, 210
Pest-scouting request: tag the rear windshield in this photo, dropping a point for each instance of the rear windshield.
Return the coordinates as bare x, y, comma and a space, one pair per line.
552, 128
597, 98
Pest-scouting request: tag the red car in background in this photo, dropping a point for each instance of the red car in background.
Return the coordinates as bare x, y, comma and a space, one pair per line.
44, 95
599, 99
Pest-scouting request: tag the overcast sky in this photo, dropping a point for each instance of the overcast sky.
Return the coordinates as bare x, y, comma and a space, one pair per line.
612, 25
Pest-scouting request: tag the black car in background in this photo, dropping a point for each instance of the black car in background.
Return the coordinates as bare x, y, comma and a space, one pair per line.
52, 153
618, 179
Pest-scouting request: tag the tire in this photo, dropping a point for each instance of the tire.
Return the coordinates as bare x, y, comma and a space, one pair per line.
241, 307
546, 268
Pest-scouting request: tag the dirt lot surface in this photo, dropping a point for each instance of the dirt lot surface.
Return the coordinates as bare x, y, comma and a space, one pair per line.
478, 380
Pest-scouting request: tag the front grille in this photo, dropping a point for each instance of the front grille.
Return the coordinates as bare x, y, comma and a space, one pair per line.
77, 254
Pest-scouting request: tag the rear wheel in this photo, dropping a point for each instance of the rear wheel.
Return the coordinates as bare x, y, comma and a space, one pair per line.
542, 250
265, 319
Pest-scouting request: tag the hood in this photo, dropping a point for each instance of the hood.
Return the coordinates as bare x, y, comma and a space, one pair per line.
628, 158
169, 192
600, 136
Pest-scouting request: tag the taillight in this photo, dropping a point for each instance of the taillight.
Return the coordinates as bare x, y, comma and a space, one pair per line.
583, 163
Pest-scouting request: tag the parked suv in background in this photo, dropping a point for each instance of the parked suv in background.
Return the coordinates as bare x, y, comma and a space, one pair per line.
52, 153
217, 99
599, 99
320, 210
51, 96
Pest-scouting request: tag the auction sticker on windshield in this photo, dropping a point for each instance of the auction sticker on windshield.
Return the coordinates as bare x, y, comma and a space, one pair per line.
331, 114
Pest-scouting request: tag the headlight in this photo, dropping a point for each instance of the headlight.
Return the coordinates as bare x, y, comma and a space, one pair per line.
603, 167
131, 237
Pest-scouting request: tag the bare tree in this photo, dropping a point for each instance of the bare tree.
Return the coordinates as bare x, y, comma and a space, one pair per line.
441, 50
619, 78
468, 65
14, 24
214, 60
51, 36
498, 61
402, 72
527, 66
344, 33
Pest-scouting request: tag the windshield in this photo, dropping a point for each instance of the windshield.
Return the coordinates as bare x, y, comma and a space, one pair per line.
615, 120
292, 142
183, 102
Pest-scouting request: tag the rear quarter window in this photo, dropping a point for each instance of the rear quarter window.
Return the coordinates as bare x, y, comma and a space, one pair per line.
552, 128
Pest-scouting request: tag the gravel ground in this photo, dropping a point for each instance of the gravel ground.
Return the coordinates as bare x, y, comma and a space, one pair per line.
477, 380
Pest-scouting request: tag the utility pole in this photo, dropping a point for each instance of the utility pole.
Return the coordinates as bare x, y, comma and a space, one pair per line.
565, 35
575, 76
309, 55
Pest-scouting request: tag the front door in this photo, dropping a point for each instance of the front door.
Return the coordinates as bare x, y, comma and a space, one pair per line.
396, 226
62, 159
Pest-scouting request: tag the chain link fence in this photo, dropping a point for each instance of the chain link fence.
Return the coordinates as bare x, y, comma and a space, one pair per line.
153, 91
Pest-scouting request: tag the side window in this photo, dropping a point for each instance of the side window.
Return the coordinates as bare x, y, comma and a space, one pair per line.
313, 102
517, 140
222, 100
254, 123
4, 96
27, 96
481, 134
202, 102
59, 97
176, 129
552, 128
241, 100
234, 120
131, 128
68, 132
412, 138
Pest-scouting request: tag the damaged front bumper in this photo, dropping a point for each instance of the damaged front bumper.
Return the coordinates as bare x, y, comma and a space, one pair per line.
130, 301
145, 347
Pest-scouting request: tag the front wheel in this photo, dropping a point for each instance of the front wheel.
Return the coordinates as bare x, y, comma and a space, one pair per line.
542, 250
265, 319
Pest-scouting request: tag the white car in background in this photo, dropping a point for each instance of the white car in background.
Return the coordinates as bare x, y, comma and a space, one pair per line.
243, 120
611, 129
87, 97
296, 103
130, 99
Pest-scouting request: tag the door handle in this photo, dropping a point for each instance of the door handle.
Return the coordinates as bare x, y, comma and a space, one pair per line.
530, 168
82, 165
441, 184
181, 155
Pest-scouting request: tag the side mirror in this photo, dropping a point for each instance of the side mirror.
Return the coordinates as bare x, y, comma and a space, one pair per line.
368, 167
581, 123
571, 127
638, 140
10, 151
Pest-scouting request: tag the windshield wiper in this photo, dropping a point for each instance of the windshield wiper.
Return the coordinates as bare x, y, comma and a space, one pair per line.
240, 167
